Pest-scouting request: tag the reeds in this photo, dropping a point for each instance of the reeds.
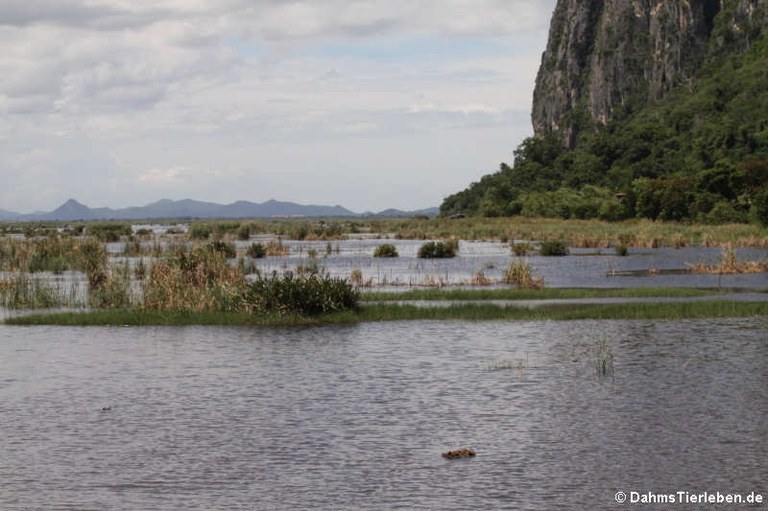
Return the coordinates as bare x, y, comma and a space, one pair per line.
21, 291
519, 274
729, 264
276, 248
602, 358
308, 295
200, 280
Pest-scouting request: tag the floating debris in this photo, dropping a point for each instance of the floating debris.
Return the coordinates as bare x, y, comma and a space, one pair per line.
459, 453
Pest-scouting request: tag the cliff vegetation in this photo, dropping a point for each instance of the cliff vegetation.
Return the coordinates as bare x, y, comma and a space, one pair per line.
683, 138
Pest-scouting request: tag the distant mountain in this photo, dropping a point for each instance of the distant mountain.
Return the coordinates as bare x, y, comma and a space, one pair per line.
70, 210
396, 213
187, 208
8, 215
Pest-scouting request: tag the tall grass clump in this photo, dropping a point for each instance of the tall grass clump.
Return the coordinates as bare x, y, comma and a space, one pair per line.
521, 248
224, 248
305, 295
553, 248
115, 291
519, 274
437, 250
385, 250
55, 254
199, 232
200, 280
21, 291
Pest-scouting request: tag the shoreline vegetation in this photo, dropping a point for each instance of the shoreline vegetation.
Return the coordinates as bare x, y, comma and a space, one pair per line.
196, 274
396, 312
575, 233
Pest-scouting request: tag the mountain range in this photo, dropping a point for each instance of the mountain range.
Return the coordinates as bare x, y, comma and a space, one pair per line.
188, 208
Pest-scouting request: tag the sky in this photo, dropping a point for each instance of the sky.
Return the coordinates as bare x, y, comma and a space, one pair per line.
369, 104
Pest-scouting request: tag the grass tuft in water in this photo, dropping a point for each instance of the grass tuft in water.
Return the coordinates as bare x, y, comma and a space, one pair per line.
519, 274
603, 358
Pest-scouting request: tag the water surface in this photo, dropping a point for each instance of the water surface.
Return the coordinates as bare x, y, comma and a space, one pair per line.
356, 417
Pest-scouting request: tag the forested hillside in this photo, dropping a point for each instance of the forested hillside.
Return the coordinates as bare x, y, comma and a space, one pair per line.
700, 152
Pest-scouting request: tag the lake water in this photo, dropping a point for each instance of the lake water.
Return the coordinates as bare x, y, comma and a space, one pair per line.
356, 417
583, 268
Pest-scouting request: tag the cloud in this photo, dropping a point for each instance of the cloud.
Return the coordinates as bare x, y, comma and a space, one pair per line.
159, 95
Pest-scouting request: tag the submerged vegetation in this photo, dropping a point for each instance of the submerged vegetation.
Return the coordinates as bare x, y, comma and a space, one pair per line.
396, 312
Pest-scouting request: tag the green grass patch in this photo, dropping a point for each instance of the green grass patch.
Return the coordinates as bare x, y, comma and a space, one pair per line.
540, 294
395, 312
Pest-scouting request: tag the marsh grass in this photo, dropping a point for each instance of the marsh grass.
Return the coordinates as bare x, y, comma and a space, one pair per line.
395, 312
537, 294
506, 364
308, 295
21, 291
522, 248
553, 249
479, 279
729, 264
200, 280
276, 248
519, 274
115, 290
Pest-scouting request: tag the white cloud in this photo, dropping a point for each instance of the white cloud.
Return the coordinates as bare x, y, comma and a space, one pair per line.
152, 97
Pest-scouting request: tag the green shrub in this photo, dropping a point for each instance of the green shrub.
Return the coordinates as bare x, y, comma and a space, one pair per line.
437, 250
199, 232
760, 206
109, 232
385, 250
256, 251
244, 233
307, 295
553, 248
622, 250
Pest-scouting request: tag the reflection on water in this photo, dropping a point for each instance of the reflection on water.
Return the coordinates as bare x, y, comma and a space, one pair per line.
357, 417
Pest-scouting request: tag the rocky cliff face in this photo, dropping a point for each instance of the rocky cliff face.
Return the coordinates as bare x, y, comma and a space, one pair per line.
605, 58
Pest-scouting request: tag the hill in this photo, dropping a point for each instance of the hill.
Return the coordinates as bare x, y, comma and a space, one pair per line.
655, 112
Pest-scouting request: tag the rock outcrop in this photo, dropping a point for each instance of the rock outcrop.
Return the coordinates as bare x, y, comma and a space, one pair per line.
607, 58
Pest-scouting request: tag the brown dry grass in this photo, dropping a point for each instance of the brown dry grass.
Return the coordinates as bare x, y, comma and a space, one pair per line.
729, 264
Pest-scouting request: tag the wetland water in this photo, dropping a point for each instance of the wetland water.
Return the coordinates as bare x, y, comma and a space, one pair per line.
356, 417
583, 268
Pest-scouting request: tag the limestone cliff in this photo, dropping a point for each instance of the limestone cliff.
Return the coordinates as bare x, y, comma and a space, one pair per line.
606, 58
